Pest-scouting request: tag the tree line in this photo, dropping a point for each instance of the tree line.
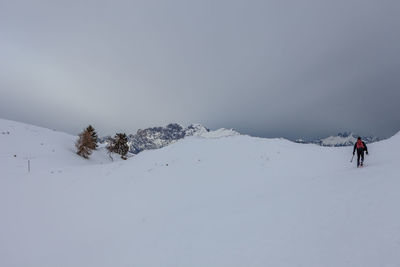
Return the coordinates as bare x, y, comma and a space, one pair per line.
88, 141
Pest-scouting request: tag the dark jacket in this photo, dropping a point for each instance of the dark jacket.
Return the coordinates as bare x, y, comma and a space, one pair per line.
360, 149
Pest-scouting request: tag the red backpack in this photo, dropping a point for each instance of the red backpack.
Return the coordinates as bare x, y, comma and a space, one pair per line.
360, 144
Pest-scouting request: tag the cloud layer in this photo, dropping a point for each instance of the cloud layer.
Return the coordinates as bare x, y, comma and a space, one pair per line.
268, 68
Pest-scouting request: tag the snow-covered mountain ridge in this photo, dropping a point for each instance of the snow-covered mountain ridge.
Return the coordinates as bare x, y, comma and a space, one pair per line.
341, 139
158, 137
233, 201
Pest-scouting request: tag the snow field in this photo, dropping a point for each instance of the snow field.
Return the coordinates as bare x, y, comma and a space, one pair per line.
230, 201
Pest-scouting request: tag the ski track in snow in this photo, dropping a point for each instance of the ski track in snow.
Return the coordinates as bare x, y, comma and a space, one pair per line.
228, 201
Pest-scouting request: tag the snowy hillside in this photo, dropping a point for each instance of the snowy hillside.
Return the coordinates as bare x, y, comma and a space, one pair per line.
46, 149
232, 201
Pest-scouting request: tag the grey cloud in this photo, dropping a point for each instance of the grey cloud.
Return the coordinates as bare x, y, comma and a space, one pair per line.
268, 68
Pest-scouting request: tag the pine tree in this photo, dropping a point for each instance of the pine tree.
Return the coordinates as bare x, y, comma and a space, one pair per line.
119, 145
94, 137
84, 144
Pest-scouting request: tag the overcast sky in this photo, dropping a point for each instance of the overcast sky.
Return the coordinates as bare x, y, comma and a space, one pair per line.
268, 68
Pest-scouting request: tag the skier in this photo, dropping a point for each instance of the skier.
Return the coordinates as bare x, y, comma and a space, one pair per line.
361, 147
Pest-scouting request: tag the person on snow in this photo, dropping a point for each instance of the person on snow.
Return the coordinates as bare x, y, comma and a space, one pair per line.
361, 147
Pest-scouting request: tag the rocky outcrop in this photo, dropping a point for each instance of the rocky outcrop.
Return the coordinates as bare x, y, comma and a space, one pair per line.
158, 137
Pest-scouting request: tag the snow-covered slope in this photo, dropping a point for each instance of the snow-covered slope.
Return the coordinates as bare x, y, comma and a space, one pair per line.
45, 148
234, 201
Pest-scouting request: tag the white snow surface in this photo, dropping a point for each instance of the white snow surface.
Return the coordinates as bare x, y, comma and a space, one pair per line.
233, 201
217, 133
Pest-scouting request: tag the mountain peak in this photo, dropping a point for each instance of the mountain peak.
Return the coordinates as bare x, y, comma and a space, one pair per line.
158, 137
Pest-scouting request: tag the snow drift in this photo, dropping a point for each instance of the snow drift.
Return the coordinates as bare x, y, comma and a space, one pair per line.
232, 201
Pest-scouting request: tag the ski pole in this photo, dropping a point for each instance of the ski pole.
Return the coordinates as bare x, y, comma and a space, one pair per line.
352, 158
